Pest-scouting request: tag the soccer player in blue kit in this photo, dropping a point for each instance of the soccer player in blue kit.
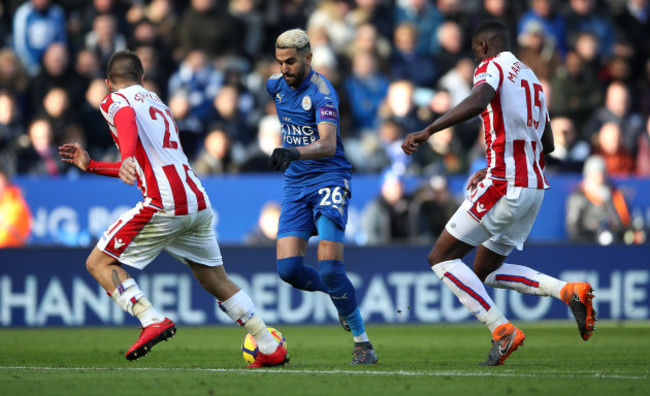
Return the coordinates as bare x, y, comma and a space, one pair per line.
316, 184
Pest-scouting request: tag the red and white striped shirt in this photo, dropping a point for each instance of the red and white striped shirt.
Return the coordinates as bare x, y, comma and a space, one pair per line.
514, 122
163, 172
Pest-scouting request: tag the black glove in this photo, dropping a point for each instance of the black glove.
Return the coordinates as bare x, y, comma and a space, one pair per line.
282, 157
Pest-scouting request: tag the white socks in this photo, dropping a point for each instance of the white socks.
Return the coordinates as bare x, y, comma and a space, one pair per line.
469, 289
131, 299
241, 310
363, 337
525, 280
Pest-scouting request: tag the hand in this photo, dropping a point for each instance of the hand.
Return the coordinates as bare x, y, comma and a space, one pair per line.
476, 179
413, 140
282, 157
74, 153
127, 171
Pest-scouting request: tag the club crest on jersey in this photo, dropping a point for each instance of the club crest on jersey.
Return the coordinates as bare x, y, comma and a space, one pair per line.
306, 103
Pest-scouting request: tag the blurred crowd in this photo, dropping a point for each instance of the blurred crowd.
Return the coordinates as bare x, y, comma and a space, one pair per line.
396, 64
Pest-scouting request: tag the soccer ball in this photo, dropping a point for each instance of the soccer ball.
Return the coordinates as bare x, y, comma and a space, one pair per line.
249, 346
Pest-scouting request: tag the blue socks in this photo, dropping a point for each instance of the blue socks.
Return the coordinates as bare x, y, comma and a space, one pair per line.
303, 277
331, 279
342, 293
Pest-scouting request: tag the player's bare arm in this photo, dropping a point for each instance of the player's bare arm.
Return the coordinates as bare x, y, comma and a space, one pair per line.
74, 153
470, 107
547, 139
324, 147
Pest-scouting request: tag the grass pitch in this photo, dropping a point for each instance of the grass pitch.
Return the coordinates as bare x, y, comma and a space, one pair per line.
413, 359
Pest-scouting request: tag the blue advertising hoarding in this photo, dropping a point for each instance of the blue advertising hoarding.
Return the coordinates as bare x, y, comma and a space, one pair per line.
50, 287
75, 211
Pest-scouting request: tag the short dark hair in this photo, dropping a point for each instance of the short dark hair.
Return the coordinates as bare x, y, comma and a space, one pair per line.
492, 31
123, 67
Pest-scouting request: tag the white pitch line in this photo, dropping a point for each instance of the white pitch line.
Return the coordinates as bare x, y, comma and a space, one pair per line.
549, 374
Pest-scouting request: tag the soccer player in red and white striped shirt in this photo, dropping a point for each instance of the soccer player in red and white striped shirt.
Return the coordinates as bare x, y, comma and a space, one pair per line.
505, 197
175, 214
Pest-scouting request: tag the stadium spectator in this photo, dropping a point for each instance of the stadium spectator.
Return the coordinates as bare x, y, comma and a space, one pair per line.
37, 157
433, 205
458, 81
576, 92
400, 105
587, 16
368, 40
11, 128
204, 27
547, 13
330, 15
616, 109
216, 157
570, 152
424, 16
376, 13
15, 215
57, 109
258, 153
201, 82
227, 111
252, 20
191, 129
450, 37
632, 21
56, 72
643, 151
100, 144
162, 13
36, 25
444, 154
87, 66
105, 39
366, 88
386, 219
596, 210
409, 64
609, 145
14, 78
538, 51
265, 231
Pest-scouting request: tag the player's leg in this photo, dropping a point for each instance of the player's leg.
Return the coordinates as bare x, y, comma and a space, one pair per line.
290, 255
341, 290
490, 267
460, 236
134, 239
198, 248
295, 227
577, 295
239, 307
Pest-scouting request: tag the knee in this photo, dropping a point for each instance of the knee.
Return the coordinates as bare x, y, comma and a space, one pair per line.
289, 269
91, 265
434, 257
481, 274
331, 271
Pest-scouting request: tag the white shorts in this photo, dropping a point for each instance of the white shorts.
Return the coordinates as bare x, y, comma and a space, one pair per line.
140, 234
504, 226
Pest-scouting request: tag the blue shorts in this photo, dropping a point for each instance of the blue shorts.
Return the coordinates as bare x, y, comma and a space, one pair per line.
303, 206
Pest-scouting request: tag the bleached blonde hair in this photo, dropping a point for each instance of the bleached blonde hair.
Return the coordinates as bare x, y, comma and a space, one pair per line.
294, 38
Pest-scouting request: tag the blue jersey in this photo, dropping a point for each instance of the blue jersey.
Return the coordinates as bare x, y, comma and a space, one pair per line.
300, 111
